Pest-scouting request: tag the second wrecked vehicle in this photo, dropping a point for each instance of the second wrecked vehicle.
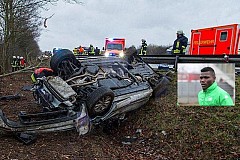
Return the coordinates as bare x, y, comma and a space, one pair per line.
81, 93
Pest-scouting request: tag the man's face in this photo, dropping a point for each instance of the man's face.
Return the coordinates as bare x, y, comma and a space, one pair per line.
179, 35
206, 79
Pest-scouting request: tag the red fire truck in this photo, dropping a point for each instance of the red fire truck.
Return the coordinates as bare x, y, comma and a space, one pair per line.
217, 40
114, 47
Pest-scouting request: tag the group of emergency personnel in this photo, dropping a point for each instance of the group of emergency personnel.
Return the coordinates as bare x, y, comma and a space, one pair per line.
91, 51
18, 63
79, 50
179, 45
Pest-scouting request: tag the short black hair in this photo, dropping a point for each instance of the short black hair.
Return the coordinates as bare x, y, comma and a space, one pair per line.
206, 69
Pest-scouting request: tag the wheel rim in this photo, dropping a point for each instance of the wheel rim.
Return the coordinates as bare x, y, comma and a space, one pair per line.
103, 104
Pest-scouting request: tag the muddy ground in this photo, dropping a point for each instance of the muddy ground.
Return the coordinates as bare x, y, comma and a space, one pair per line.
167, 131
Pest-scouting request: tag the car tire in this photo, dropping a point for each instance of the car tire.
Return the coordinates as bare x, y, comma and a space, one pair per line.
100, 101
61, 56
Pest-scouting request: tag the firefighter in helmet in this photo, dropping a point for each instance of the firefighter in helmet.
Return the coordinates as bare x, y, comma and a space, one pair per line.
143, 50
180, 44
14, 63
22, 63
18, 63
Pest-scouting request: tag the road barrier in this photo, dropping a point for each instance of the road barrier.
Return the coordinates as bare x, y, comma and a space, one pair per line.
174, 60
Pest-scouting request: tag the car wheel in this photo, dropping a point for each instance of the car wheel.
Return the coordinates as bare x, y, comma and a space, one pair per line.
100, 101
64, 63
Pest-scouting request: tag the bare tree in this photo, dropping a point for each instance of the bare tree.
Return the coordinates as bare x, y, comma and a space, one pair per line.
19, 27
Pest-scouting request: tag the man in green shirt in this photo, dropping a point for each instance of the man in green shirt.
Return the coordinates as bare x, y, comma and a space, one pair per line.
212, 94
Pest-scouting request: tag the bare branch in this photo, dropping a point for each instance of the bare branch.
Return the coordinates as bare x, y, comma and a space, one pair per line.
45, 21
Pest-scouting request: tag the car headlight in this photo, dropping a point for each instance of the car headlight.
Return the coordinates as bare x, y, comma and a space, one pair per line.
121, 54
106, 54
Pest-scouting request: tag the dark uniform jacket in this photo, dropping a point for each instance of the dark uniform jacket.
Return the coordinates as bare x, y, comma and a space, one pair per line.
180, 45
143, 49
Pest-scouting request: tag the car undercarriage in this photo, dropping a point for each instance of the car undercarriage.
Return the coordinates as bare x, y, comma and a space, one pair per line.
81, 93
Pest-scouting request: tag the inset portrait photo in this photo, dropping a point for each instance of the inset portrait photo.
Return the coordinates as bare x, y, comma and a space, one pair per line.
206, 84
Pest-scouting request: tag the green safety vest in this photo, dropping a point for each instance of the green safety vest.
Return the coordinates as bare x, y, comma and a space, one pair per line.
92, 50
75, 51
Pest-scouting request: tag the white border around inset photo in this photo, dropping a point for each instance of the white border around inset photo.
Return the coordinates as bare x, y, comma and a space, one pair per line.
188, 81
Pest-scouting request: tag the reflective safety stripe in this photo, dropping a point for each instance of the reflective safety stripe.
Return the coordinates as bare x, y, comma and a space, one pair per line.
176, 51
177, 45
143, 51
33, 78
92, 50
184, 49
14, 63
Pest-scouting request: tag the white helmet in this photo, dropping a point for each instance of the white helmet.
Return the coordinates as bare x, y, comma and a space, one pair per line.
18, 57
13, 56
180, 32
21, 57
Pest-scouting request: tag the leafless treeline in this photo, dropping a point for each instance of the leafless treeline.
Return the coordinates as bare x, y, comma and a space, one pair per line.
20, 22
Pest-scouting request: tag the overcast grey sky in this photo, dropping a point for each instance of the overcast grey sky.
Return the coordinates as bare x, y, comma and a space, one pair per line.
154, 20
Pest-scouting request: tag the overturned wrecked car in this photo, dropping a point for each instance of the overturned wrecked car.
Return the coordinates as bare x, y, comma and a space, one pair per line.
80, 93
